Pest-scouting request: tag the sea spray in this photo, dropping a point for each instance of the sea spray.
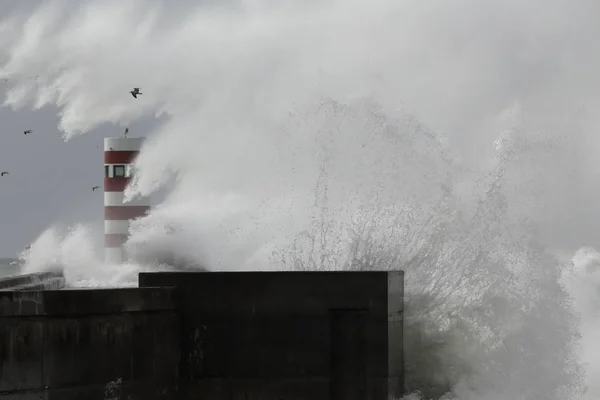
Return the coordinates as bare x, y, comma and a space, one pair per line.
74, 252
485, 316
583, 280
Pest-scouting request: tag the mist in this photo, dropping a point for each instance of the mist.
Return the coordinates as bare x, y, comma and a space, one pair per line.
455, 140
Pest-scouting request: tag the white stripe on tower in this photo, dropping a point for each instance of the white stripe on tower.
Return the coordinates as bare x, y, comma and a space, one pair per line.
119, 155
117, 199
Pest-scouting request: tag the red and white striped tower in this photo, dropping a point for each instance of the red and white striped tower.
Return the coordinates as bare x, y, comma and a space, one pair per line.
119, 154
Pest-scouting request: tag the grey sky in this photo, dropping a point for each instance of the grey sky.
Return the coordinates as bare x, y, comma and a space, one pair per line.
50, 180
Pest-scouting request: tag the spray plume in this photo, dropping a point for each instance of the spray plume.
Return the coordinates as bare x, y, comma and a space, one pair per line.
306, 136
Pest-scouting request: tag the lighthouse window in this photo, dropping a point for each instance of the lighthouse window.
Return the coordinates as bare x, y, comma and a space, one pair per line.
119, 171
106, 173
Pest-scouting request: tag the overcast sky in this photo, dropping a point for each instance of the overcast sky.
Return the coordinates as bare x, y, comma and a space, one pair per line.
50, 180
455, 67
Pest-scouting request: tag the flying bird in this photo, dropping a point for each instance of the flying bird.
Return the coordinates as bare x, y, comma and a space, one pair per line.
135, 92
94, 188
3, 173
126, 131
27, 131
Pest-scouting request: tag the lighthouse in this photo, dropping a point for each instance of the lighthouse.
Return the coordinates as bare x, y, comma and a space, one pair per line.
119, 155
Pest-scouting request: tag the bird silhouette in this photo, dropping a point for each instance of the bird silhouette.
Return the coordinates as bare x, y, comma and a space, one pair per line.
27, 131
3, 173
94, 188
135, 92
126, 131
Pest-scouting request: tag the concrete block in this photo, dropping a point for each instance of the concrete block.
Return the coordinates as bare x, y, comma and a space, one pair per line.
252, 293
276, 333
210, 336
71, 344
86, 351
49, 284
84, 302
396, 333
256, 389
26, 303
113, 390
114, 343
21, 354
11, 282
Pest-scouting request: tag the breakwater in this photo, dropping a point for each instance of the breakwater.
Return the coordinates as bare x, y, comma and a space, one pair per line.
208, 335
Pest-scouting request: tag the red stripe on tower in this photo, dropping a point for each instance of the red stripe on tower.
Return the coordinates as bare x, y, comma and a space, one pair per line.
122, 213
119, 155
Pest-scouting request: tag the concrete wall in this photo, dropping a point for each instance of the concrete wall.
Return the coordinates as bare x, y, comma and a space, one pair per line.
210, 336
52, 280
395, 333
288, 335
88, 344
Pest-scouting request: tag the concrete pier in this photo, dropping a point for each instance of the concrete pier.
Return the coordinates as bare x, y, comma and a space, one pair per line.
36, 281
210, 336
288, 335
88, 344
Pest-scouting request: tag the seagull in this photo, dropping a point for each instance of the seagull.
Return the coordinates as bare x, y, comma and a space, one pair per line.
27, 131
94, 188
3, 173
135, 92
126, 131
